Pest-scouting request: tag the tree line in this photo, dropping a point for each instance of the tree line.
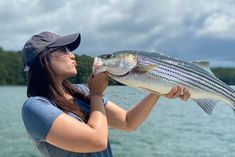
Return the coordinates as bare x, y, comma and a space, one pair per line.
12, 70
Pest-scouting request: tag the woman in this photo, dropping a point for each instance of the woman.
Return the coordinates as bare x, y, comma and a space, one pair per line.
72, 120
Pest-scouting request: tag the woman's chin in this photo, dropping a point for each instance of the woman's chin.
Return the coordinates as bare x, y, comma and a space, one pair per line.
72, 74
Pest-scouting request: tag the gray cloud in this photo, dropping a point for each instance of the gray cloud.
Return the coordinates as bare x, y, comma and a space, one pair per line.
186, 29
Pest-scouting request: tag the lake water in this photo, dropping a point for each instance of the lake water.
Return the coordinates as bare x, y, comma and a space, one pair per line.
173, 129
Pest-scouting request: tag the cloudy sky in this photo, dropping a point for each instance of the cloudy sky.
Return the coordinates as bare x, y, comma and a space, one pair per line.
184, 29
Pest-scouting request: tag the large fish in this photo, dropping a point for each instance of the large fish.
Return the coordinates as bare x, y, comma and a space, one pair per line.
158, 73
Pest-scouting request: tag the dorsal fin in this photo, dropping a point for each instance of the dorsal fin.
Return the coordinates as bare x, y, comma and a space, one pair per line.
204, 65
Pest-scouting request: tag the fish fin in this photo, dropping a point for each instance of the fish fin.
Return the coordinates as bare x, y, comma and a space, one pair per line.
204, 65
206, 104
144, 69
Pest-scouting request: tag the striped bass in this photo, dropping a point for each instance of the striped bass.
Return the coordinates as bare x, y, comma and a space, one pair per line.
159, 74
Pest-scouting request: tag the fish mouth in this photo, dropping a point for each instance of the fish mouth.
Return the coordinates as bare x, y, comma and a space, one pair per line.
115, 75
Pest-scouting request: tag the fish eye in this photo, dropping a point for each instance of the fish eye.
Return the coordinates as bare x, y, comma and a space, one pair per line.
106, 56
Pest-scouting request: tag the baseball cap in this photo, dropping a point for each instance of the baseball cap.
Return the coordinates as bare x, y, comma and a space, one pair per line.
38, 43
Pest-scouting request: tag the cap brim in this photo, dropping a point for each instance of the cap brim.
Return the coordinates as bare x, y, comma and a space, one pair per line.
71, 41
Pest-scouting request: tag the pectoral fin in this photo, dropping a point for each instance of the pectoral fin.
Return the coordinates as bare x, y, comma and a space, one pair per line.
144, 69
206, 104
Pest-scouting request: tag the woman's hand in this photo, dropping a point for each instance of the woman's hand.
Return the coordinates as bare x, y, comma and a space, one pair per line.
98, 83
178, 91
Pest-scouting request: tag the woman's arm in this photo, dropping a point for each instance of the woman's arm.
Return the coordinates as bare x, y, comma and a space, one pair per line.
130, 120
70, 134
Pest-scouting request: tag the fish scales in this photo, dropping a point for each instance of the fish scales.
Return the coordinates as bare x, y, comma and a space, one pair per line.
184, 76
199, 75
178, 77
196, 71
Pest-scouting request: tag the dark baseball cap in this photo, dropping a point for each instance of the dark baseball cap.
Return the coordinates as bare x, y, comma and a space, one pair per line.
38, 43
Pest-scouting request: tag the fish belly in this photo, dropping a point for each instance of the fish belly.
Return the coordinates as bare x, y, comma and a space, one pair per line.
162, 86
148, 83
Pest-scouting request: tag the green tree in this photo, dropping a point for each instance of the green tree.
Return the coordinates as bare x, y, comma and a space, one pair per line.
11, 68
226, 75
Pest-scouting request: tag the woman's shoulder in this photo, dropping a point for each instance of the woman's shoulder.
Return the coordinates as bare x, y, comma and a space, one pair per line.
36, 102
37, 99
38, 114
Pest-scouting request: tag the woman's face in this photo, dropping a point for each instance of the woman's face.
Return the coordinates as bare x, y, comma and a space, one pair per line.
63, 63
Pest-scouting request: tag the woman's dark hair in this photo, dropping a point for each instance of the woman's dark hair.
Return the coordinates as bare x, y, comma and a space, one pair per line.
42, 82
